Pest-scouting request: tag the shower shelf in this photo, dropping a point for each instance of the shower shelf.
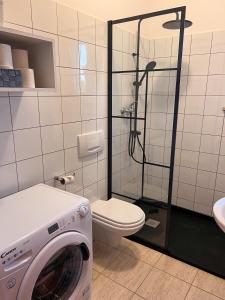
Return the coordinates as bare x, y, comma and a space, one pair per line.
41, 58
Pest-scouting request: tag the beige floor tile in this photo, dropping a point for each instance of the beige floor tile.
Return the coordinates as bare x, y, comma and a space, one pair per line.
128, 271
106, 289
95, 274
197, 294
136, 297
210, 283
161, 286
141, 252
177, 268
103, 256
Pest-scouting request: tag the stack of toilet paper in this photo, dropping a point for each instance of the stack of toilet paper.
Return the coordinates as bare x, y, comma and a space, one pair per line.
17, 59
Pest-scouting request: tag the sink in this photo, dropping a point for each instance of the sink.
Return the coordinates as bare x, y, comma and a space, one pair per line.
219, 213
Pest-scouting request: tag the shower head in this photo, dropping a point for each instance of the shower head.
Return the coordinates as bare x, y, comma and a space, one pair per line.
175, 24
150, 66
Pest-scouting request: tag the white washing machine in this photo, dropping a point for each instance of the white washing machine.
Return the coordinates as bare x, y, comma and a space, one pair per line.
45, 245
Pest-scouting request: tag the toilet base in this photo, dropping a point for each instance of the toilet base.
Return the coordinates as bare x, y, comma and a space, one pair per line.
105, 236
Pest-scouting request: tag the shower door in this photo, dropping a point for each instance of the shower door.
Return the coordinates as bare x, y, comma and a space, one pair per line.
144, 76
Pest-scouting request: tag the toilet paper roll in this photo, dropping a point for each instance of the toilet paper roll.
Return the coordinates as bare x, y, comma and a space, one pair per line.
27, 78
20, 59
6, 57
66, 179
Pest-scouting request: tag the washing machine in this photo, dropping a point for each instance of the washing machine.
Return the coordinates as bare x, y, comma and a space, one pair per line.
45, 245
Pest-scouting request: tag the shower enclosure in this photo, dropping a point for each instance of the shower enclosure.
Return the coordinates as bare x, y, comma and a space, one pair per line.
143, 91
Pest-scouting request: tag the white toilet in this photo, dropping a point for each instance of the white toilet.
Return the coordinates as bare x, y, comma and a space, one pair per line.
114, 219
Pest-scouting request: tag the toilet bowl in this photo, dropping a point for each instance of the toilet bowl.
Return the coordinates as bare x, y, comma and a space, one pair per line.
114, 219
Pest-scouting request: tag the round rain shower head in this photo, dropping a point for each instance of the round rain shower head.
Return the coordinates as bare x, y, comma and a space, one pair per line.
175, 24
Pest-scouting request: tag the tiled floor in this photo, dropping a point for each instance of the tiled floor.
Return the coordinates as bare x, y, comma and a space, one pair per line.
135, 272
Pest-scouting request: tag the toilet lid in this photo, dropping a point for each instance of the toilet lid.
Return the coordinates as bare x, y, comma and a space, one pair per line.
117, 211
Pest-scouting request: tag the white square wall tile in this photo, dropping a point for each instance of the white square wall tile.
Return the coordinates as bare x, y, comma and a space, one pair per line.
214, 105
193, 123
217, 64
7, 153
25, 112
91, 192
17, 12
221, 165
70, 132
27, 143
30, 172
101, 59
212, 125
201, 43
71, 109
102, 84
53, 165
52, 138
218, 42
191, 141
163, 47
117, 42
90, 175
194, 105
199, 64
44, 15
186, 46
203, 209
102, 189
186, 191
189, 159
88, 82
67, 21
208, 162
210, 144
196, 85
188, 175
102, 106
185, 203
88, 107
222, 146
68, 53
50, 109
70, 82
206, 179
86, 28
87, 53
216, 85
220, 186
8, 178
204, 196
72, 161
5, 116
101, 33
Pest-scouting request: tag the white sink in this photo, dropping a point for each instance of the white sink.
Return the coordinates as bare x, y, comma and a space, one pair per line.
219, 213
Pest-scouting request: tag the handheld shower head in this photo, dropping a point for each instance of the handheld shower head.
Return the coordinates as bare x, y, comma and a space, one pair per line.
149, 67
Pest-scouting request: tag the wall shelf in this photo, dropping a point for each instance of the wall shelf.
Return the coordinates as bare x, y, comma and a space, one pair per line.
41, 57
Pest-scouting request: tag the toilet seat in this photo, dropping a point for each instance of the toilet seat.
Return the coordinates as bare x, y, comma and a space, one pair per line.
118, 214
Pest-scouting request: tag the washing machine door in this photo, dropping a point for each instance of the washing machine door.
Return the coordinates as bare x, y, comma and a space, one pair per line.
61, 270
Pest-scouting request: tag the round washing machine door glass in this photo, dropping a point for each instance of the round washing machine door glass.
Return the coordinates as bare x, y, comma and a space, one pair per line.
56, 272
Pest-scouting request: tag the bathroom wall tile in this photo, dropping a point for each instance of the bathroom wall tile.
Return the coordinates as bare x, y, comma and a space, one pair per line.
72, 162
26, 175
199, 64
70, 132
201, 43
71, 109
88, 82
206, 179
204, 196
27, 143
191, 141
220, 179
102, 169
90, 125
196, 85
67, 21
87, 55
101, 33
221, 165
193, 123
101, 59
212, 125
50, 109
86, 28
77, 185
8, 177
7, 154
88, 107
91, 192
185, 203
203, 209
218, 42
5, 117
44, 15
222, 146
68, 53
70, 82
215, 85
117, 42
52, 138
21, 107
102, 106
102, 189
53, 165
186, 45
102, 83
90, 174
188, 175
218, 195
208, 162
189, 159
217, 64
214, 106
17, 12
194, 105
186, 191
163, 47
210, 144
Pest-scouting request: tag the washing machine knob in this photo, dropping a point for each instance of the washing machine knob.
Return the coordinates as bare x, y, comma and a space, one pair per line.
83, 211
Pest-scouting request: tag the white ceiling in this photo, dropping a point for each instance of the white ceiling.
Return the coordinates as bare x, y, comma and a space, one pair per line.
206, 15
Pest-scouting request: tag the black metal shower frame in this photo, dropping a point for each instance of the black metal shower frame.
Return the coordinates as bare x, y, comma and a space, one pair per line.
139, 18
